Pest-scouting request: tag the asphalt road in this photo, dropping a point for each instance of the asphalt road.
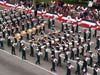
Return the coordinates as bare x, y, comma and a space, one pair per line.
13, 65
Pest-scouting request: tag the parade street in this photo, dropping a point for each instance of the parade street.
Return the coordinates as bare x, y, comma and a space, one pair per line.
41, 46
12, 65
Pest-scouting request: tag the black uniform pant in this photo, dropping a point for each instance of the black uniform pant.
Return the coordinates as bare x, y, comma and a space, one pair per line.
46, 56
38, 60
13, 51
53, 66
32, 52
23, 55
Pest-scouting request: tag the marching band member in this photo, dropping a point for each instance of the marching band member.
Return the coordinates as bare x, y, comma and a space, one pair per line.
31, 49
66, 56
72, 28
67, 27
90, 58
49, 24
72, 54
0, 27
28, 25
9, 40
18, 20
28, 36
32, 36
20, 45
69, 67
77, 51
73, 43
1, 42
23, 26
13, 48
53, 21
77, 28
65, 35
85, 35
62, 27
79, 39
59, 59
12, 30
46, 54
95, 32
24, 52
97, 42
4, 32
84, 66
98, 57
78, 70
17, 28
32, 23
15, 39
8, 31
89, 36
82, 51
53, 60
95, 69
38, 55
88, 46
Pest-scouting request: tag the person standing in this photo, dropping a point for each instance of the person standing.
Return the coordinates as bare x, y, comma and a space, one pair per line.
84, 66
72, 28
89, 36
62, 27
79, 39
88, 47
20, 45
46, 54
27, 25
98, 57
77, 51
54, 60
59, 59
95, 32
95, 69
77, 28
82, 51
32, 23
66, 56
1, 42
85, 35
38, 55
72, 54
23, 26
69, 67
31, 49
49, 24
9, 40
97, 42
90, 58
4, 33
13, 48
24, 52
67, 28
78, 71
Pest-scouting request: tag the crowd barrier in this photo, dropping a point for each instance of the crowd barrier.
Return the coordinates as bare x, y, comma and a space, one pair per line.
59, 17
